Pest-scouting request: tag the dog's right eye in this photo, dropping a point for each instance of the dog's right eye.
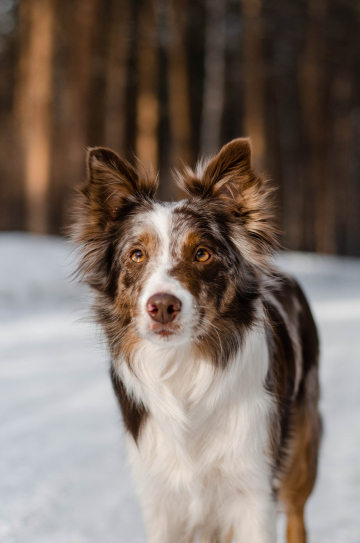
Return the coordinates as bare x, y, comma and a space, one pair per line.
137, 256
202, 255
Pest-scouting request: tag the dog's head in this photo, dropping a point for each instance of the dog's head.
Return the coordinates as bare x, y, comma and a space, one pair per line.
175, 273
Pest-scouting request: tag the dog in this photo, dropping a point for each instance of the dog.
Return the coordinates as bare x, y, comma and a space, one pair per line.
214, 351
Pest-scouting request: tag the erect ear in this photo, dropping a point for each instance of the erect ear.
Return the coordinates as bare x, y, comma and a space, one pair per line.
230, 178
112, 186
225, 176
112, 181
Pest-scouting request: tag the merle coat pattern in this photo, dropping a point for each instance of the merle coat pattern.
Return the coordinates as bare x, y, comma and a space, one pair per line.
214, 351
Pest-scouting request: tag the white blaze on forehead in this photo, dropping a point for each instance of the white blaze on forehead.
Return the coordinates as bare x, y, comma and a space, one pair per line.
159, 220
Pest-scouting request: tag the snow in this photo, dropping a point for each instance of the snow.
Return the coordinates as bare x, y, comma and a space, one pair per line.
63, 471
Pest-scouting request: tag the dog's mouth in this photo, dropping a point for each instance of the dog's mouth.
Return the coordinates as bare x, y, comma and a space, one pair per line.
164, 332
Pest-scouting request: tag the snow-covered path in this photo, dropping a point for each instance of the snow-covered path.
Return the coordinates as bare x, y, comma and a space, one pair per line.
63, 472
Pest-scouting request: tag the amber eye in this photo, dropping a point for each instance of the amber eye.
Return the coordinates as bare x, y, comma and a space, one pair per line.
202, 255
137, 256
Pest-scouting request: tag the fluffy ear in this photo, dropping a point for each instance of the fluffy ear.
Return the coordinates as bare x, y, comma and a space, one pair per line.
112, 186
111, 183
225, 176
229, 177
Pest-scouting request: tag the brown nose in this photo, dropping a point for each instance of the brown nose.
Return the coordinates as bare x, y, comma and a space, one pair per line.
163, 307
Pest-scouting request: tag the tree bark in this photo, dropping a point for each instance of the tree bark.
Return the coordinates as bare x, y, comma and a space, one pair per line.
286, 146
166, 188
254, 92
117, 58
313, 79
340, 159
147, 111
33, 107
78, 22
178, 85
213, 99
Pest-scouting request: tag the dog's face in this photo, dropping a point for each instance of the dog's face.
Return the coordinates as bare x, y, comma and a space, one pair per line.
175, 273
179, 272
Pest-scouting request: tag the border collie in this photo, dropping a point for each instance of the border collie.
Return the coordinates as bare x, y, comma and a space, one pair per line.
214, 351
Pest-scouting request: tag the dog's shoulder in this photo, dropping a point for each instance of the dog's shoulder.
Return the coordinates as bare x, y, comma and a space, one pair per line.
292, 336
134, 413
289, 311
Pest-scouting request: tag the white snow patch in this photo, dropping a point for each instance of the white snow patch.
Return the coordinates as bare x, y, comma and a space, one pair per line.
63, 473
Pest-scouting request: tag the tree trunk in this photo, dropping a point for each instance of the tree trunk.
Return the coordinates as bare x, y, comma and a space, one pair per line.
286, 149
178, 85
353, 222
340, 159
314, 92
147, 100
213, 100
254, 92
117, 58
33, 107
78, 21
166, 189
132, 80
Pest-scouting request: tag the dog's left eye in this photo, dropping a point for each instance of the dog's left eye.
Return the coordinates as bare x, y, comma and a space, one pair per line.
137, 256
202, 255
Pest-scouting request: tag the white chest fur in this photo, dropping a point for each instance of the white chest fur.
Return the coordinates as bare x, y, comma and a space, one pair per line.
204, 444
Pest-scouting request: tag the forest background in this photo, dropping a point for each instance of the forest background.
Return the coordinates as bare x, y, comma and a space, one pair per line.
170, 80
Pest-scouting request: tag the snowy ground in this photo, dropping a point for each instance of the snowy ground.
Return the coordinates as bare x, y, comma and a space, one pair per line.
63, 473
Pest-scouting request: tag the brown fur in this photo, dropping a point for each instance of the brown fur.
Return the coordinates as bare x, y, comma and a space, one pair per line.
229, 177
299, 476
300, 425
228, 213
113, 186
134, 414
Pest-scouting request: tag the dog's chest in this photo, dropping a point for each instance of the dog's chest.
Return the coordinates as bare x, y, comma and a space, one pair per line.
206, 425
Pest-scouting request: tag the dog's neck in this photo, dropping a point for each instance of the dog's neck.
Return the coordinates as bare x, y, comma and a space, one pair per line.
178, 382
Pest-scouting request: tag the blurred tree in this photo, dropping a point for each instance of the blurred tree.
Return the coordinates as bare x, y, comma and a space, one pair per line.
166, 189
116, 64
12, 197
179, 108
132, 80
214, 84
171, 79
76, 29
314, 92
286, 144
147, 100
254, 80
33, 97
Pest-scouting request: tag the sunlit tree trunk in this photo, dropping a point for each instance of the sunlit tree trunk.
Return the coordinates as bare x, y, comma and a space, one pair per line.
132, 79
254, 80
314, 93
147, 110
33, 107
179, 108
117, 57
166, 189
213, 100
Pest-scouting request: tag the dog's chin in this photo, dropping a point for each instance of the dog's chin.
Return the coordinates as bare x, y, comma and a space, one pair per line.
166, 336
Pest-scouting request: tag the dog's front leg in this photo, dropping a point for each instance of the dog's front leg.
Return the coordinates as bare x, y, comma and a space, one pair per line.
164, 523
256, 519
